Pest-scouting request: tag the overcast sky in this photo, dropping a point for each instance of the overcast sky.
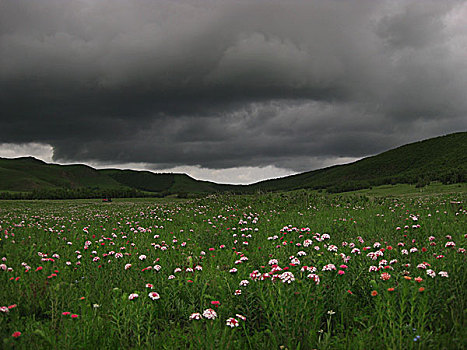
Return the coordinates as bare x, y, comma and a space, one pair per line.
229, 91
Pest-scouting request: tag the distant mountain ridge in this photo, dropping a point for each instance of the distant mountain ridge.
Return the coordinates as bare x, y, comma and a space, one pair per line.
441, 158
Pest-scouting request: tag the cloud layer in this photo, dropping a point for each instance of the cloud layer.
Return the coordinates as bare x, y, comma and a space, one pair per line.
227, 84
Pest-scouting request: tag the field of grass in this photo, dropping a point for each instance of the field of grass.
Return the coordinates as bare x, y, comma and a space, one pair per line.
294, 270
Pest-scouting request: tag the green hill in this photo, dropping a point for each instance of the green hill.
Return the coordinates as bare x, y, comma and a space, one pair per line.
442, 159
28, 174
162, 182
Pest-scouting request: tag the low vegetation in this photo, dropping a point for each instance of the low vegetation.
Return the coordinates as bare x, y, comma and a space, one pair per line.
294, 270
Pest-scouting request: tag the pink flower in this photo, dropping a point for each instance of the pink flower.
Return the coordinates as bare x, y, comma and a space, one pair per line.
196, 316
232, 322
66, 313
74, 316
209, 314
385, 276
154, 295
340, 272
16, 334
133, 296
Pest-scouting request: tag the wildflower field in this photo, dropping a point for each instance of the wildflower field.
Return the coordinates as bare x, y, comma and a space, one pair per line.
297, 270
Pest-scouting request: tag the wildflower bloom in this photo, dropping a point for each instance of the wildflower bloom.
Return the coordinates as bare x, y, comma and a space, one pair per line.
238, 292
391, 289
314, 277
421, 289
287, 277
209, 314
215, 303
16, 334
385, 276
74, 316
195, 316
66, 313
418, 279
133, 296
154, 295
232, 322
374, 293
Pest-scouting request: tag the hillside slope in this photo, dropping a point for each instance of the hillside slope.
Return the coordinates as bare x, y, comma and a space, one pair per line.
442, 159
28, 174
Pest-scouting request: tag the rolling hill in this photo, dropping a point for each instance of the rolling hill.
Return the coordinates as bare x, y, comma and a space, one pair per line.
441, 159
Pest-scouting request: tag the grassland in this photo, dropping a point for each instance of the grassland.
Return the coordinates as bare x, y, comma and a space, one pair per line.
297, 270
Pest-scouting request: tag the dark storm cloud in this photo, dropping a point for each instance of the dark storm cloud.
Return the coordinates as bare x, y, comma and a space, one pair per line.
230, 83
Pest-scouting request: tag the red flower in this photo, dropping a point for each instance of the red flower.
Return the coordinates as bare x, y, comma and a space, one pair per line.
16, 334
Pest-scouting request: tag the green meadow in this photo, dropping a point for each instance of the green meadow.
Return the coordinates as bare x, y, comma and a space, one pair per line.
382, 268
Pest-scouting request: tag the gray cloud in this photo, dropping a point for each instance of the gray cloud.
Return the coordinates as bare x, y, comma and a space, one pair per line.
224, 84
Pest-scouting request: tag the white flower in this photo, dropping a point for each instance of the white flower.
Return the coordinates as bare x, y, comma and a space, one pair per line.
195, 316
287, 277
329, 267
314, 277
209, 314
232, 322
154, 295
295, 261
244, 283
133, 296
